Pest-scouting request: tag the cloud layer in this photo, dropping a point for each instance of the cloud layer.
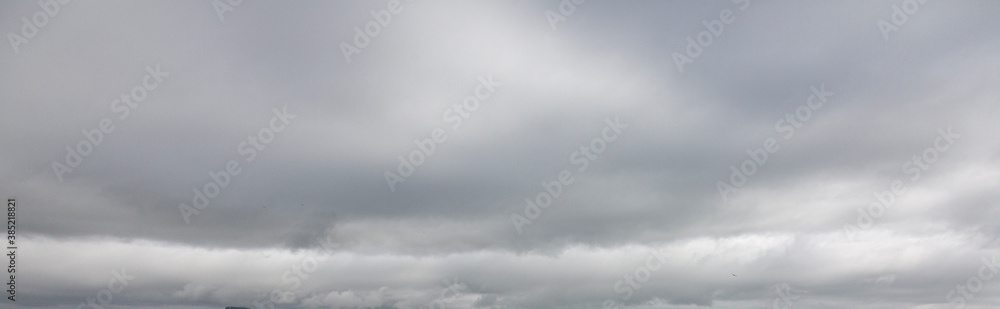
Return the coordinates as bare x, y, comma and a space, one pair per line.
554, 154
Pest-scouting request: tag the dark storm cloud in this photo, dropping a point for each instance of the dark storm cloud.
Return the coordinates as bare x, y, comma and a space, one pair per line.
654, 188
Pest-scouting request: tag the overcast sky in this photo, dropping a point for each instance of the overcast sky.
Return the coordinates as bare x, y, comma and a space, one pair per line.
502, 154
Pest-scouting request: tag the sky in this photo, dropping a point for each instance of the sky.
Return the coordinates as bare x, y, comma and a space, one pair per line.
502, 154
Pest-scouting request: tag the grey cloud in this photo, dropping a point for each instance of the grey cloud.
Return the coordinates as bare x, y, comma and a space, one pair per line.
322, 178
